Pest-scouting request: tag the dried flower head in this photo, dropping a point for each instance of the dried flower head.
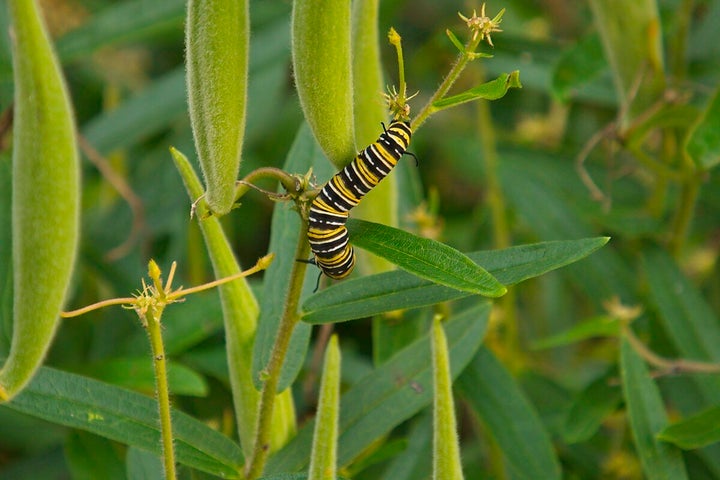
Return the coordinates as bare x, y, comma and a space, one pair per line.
483, 26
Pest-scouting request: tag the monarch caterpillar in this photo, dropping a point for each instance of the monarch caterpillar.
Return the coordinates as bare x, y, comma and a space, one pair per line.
329, 211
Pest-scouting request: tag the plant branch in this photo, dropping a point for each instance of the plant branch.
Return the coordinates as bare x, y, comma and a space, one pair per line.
261, 446
668, 366
154, 330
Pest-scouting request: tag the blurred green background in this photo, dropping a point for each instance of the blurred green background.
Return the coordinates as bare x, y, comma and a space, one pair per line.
124, 64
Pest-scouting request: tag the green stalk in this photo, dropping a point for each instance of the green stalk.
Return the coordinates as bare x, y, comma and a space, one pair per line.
240, 311
466, 56
256, 462
679, 41
154, 331
684, 215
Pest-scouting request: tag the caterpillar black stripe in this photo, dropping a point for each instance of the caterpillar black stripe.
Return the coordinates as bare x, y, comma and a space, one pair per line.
329, 211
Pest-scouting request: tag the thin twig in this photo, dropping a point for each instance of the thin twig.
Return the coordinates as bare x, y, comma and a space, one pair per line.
668, 366
124, 190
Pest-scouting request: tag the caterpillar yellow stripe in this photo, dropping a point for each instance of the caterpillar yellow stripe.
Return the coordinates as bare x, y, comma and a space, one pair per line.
327, 233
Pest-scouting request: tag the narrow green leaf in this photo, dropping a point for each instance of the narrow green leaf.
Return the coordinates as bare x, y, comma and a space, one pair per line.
45, 162
120, 23
142, 465
694, 432
548, 201
216, 50
495, 397
426, 258
378, 454
601, 326
660, 461
126, 417
293, 476
323, 458
691, 324
416, 461
391, 394
90, 456
703, 143
590, 408
368, 296
138, 374
446, 446
284, 232
458, 44
632, 43
491, 90
322, 69
240, 312
143, 115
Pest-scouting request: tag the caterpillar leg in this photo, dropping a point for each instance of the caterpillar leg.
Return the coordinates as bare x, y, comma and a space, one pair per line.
312, 261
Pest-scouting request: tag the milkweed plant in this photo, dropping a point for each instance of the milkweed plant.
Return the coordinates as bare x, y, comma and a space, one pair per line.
417, 366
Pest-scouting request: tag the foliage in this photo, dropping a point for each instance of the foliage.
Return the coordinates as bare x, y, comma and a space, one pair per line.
590, 195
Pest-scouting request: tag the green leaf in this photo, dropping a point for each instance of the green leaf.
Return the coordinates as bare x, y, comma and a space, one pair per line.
293, 476
364, 297
393, 393
378, 454
455, 41
703, 143
647, 416
323, 458
90, 456
121, 23
143, 465
216, 49
446, 447
549, 201
45, 163
416, 461
691, 324
590, 408
632, 42
143, 115
494, 396
491, 90
694, 432
138, 374
426, 258
126, 417
579, 64
601, 326
322, 69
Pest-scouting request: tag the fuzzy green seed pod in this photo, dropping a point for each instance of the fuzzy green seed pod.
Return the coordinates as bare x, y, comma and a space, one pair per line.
45, 177
217, 43
323, 77
323, 458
